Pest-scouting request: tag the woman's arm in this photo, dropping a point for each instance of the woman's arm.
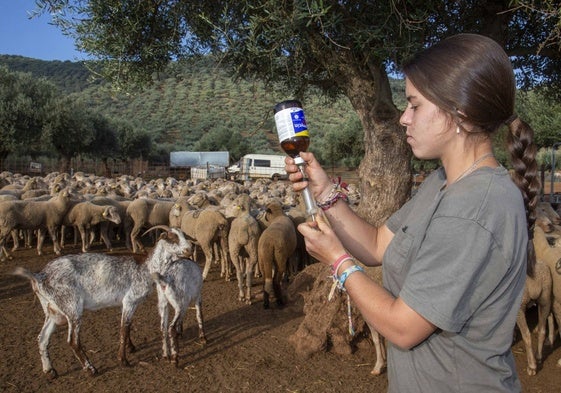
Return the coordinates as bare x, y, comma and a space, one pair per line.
389, 315
363, 240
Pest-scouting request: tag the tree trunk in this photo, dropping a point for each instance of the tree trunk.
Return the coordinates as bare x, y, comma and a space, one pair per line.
385, 184
385, 169
106, 168
65, 164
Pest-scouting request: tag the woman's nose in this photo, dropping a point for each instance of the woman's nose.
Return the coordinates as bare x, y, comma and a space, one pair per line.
404, 119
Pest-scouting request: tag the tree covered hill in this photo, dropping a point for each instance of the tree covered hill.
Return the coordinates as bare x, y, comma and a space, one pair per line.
196, 106
70, 77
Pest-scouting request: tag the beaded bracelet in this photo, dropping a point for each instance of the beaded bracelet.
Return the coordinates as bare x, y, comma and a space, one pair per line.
338, 262
331, 199
343, 277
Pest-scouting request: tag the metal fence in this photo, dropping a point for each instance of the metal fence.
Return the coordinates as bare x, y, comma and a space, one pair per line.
41, 167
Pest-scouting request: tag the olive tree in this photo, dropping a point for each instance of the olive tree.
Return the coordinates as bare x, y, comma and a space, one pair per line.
338, 47
70, 130
24, 104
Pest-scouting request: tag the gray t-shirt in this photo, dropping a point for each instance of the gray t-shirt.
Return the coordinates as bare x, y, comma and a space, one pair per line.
458, 258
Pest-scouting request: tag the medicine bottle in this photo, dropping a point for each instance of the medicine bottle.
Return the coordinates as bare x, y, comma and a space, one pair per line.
294, 138
291, 127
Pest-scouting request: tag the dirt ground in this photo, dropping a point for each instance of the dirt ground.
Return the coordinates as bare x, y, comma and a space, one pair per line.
247, 350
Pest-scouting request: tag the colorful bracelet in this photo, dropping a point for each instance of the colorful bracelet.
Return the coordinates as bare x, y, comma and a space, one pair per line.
331, 199
343, 277
338, 262
329, 203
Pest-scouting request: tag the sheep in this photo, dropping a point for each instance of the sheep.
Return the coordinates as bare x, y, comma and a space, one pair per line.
536, 289
546, 209
180, 284
34, 215
551, 256
142, 213
121, 205
85, 215
209, 229
276, 244
70, 284
243, 238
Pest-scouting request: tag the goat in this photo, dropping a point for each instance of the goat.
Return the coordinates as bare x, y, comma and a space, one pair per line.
70, 284
180, 284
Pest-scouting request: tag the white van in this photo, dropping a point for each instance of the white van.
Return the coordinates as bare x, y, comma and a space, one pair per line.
253, 166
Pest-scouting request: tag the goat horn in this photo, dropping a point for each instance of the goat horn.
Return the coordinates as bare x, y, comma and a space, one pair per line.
164, 227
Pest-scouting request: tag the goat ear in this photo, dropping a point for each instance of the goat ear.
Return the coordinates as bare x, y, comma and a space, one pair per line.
173, 237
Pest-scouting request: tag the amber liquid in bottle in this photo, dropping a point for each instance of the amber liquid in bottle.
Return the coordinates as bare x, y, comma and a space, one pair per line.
293, 146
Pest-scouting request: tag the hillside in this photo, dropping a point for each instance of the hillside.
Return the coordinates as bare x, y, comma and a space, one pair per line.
194, 106
70, 77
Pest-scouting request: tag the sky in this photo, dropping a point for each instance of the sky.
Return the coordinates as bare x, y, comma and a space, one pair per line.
34, 38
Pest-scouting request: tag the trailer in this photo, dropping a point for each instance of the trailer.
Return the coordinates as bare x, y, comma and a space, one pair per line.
254, 166
209, 172
201, 164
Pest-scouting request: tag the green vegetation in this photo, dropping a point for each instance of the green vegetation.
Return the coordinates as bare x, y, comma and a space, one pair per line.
192, 107
195, 106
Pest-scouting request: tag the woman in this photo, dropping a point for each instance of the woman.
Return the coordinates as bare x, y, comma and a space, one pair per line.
455, 256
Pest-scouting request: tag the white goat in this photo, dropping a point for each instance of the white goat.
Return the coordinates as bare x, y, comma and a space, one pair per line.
71, 284
180, 285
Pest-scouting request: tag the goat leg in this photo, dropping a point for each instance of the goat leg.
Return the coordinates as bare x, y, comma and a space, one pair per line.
164, 315
74, 341
124, 341
43, 339
174, 338
200, 321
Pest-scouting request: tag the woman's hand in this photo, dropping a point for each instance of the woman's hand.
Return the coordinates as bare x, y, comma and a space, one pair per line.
317, 179
321, 242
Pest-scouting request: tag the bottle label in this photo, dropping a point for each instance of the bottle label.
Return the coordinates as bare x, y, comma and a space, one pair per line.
291, 122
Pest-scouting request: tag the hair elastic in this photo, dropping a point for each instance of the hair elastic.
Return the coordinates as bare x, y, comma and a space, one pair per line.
339, 262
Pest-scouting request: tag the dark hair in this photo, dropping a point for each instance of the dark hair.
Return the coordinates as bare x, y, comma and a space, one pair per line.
470, 77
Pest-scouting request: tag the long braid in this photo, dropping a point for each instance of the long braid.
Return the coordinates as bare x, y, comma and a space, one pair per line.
525, 175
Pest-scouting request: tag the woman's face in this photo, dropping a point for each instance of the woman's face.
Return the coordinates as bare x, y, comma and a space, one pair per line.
429, 130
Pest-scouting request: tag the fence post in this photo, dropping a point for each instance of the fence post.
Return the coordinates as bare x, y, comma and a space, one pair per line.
555, 146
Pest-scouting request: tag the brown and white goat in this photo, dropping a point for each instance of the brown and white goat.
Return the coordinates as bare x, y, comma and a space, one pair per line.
70, 284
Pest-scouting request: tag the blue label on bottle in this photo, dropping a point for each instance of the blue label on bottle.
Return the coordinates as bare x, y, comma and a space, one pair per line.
298, 121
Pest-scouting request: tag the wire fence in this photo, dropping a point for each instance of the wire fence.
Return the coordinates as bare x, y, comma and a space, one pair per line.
145, 169
136, 168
